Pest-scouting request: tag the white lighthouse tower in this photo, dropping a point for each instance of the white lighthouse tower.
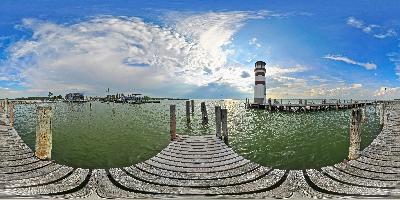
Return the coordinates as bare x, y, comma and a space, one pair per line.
259, 84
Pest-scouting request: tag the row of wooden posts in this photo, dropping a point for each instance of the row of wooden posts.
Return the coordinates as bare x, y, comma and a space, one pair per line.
221, 119
44, 122
304, 101
355, 129
43, 144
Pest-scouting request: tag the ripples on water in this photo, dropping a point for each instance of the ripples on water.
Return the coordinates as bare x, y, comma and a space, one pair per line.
114, 135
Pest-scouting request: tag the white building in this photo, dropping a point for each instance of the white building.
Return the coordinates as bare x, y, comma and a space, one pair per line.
259, 85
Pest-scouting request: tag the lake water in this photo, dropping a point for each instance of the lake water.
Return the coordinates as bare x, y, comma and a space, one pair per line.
115, 135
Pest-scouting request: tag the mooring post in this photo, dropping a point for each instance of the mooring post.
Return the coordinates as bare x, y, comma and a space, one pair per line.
43, 133
269, 104
386, 119
11, 115
172, 122
204, 115
218, 121
192, 105
363, 115
382, 114
188, 112
337, 105
6, 106
224, 120
355, 134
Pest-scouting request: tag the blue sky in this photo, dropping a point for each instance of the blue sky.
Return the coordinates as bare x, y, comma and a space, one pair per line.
201, 49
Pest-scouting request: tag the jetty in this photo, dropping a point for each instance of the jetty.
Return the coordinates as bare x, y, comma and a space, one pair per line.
289, 107
205, 167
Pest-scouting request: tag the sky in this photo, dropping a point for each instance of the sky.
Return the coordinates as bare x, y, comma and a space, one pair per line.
200, 49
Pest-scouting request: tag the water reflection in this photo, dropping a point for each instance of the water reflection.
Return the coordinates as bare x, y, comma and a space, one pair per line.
100, 135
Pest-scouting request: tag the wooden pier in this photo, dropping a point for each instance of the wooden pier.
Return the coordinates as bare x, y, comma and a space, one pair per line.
293, 107
205, 167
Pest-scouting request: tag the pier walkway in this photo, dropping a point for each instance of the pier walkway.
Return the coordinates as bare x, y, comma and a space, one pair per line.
203, 166
309, 107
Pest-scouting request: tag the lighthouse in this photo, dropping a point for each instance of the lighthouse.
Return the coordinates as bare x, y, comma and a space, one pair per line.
259, 84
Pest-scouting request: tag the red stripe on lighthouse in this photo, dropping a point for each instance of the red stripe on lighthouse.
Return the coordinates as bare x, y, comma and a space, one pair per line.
260, 82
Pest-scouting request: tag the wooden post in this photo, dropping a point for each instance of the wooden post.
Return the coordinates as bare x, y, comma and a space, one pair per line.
386, 119
269, 104
188, 112
11, 115
172, 122
43, 133
381, 115
218, 121
363, 115
224, 120
355, 134
6, 107
192, 104
204, 115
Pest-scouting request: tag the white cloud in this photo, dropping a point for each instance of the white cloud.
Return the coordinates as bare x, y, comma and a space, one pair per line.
394, 57
367, 65
389, 33
355, 22
319, 79
388, 92
356, 85
342, 91
253, 41
376, 30
128, 54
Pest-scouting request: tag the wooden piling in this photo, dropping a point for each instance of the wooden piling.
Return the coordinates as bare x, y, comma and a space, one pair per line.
204, 116
218, 121
363, 115
192, 105
224, 122
11, 115
269, 104
386, 119
6, 106
381, 114
355, 134
43, 133
172, 122
188, 112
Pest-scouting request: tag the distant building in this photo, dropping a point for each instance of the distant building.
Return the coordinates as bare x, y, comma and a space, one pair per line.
75, 97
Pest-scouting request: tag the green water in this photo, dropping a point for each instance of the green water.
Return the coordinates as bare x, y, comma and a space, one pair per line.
115, 135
